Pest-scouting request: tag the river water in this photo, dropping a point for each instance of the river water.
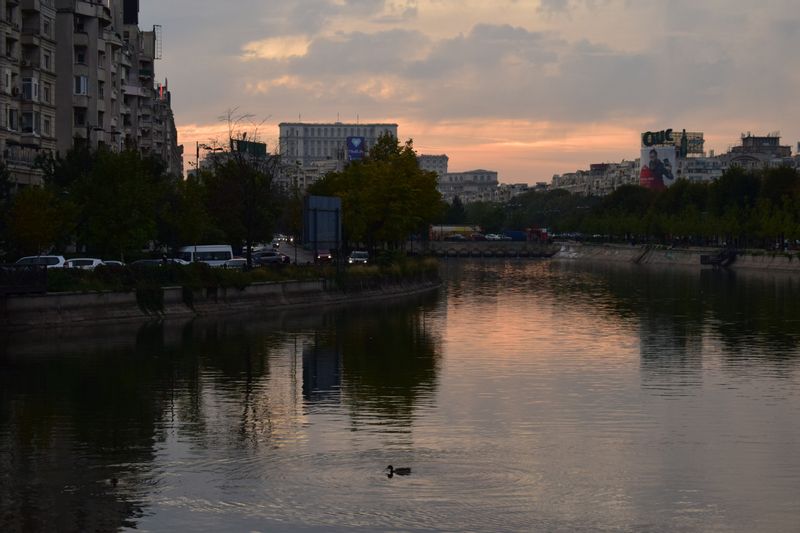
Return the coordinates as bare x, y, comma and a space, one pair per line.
525, 396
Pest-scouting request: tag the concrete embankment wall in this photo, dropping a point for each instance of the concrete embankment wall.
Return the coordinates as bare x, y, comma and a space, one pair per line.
72, 309
675, 256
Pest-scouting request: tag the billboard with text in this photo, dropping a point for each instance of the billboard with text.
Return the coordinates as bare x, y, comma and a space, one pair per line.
355, 148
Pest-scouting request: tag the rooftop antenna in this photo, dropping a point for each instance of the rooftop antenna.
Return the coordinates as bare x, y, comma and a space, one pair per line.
337, 117
358, 118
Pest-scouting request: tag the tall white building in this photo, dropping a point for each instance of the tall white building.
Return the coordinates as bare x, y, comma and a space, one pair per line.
434, 163
306, 142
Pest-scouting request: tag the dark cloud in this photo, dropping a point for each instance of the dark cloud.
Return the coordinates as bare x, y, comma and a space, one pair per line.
680, 61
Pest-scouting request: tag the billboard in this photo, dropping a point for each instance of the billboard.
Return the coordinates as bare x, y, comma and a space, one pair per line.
658, 167
322, 222
355, 148
688, 143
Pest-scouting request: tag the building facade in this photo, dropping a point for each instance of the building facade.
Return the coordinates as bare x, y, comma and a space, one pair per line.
80, 71
28, 91
600, 179
434, 163
471, 186
306, 143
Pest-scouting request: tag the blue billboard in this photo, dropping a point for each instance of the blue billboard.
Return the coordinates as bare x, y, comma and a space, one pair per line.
322, 224
355, 148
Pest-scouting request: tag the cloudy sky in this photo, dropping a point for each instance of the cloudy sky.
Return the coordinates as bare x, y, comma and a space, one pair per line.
528, 88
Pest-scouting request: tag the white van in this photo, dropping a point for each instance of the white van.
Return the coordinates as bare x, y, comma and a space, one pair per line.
213, 254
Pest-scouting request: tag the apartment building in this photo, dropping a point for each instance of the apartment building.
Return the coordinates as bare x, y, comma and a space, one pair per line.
80, 71
471, 186
310, 142
600, 180
434, 163
27, 86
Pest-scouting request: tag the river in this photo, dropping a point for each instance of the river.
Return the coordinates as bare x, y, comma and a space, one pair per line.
525, 396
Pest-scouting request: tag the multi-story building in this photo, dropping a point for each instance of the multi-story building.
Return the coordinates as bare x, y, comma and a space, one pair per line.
757, 152
701, 169
79, 71
27, 86
86, 95
471, 186
309, 142
434, 163
600, 180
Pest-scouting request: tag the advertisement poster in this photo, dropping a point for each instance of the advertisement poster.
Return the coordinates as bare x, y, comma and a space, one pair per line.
355, 148
659, 167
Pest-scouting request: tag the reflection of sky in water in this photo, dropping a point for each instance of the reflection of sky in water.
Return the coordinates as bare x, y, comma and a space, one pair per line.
527, 396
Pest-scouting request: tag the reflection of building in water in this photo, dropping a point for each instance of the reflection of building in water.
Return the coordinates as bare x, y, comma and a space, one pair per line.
322, 377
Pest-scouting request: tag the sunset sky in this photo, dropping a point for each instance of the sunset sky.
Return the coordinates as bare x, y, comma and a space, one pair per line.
527, 88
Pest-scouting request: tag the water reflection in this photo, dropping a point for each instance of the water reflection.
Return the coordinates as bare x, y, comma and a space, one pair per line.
530, 395
91, 421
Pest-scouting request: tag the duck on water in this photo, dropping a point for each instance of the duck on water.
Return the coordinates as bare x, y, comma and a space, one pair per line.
405, 471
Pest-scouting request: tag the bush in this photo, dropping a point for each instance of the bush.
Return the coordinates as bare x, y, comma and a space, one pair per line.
199, 276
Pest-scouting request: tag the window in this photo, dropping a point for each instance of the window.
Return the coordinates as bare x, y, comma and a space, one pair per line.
101, 60
46, 28
46, 126
100, 119
79, 24
11, 119
30, 122
46, 93
100, 89
30, 89
81, 85
80, 55
79, 117
46, 61
7, 81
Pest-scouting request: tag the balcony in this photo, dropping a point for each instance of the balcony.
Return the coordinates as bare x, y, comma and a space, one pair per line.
31, 5
31, 39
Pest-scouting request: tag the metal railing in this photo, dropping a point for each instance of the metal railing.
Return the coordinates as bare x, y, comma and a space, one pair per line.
16, 279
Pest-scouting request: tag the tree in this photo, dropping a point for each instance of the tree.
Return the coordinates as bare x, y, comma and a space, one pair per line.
456, 213
386, 197
119, 200
242, 199
35, 220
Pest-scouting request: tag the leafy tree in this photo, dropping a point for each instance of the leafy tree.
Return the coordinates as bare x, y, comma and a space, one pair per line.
119, 200
456, 213
35, 220
242, 199
386, 197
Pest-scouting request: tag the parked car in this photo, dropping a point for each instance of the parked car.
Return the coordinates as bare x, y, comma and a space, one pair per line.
48, 261
270, 257
477, 237
84, 263
323, 256
455, 237
358, 258
116, 264
237, 263
493, 237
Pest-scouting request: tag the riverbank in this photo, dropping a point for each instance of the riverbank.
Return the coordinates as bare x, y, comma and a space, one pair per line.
70, 309
688, 257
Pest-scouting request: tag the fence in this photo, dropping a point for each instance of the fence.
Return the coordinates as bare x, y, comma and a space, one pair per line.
15, 279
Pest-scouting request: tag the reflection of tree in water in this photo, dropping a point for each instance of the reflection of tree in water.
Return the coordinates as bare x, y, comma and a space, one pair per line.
69, 426
387, 357
754, 315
